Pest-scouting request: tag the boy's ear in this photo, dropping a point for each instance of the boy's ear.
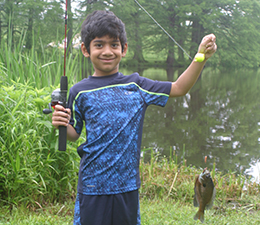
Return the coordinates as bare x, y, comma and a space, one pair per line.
125, 50
84, 50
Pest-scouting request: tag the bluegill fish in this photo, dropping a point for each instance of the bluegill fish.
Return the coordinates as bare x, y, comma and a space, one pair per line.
205, 193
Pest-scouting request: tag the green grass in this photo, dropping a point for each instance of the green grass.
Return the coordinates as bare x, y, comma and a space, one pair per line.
51, 214
153, 212
159, 212
166, 197
41, 68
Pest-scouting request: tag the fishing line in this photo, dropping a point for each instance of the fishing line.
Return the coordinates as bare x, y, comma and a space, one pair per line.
65, 40
163, 29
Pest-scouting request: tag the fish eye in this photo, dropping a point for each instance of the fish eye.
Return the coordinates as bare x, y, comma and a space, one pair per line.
204, 185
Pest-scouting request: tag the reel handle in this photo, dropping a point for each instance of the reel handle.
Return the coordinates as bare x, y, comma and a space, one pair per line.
47, 111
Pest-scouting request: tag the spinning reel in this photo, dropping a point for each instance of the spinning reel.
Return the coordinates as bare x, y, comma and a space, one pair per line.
59, 97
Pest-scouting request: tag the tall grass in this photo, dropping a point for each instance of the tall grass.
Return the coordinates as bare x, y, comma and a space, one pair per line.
32, 171
41, 67
31, 168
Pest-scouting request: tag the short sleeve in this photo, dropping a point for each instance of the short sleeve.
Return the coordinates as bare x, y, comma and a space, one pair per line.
76, 117
155, 92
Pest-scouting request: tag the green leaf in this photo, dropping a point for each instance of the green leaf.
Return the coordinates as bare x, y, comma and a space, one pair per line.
17, 162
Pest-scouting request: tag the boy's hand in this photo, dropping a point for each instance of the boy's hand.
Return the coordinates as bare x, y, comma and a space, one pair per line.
61, 116
208, 46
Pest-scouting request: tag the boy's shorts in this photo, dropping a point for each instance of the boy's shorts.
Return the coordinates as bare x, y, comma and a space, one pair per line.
118, 209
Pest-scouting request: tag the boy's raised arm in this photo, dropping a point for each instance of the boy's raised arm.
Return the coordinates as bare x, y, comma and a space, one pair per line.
188, 78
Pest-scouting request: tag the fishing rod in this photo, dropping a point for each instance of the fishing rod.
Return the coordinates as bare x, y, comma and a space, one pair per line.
163, 29
63, 89
59, 96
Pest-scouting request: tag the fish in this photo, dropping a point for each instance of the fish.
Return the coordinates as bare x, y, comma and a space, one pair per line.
205, 194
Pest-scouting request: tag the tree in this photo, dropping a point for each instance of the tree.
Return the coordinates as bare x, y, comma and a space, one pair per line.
240, 26
10, 11
51, 26
135, 24
235, 24
32, 9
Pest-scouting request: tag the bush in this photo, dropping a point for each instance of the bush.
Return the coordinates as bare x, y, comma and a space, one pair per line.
31, 168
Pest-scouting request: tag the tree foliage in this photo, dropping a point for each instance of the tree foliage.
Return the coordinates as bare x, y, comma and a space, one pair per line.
235, 24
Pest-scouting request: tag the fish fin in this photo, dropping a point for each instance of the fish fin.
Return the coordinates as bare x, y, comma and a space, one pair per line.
201, 178
210, 204
195, 201
199, 215
196, 195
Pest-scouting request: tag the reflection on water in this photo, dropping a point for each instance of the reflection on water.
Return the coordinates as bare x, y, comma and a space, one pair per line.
219, 118
254, 171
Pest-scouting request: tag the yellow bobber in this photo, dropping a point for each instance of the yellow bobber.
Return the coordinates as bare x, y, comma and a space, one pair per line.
199, 57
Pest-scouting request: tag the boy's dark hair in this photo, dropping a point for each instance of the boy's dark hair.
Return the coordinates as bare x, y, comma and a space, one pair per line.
102, 23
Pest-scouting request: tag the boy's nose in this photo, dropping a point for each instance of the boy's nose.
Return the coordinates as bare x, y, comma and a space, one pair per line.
107, 50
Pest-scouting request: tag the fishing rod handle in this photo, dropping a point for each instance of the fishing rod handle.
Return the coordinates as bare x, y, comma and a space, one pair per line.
62, 101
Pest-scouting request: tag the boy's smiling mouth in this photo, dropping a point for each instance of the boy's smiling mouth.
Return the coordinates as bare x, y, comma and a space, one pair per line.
107, 59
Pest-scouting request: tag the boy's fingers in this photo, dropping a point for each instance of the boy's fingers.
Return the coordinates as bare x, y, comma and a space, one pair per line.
59, 108
62, 109
208, 45
68, 111
211, 47
209, 37
61, 116
60, 121
209, 40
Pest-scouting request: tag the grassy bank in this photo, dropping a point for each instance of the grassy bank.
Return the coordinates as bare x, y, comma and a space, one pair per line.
160, 203
153, 212
166, 197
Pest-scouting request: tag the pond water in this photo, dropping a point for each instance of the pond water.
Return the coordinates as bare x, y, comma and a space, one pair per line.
218, 118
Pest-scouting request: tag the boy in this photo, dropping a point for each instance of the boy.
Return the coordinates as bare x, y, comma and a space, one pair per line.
112, 106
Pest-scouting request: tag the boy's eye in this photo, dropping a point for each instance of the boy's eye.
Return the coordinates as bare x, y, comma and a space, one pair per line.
115, 45
101, 45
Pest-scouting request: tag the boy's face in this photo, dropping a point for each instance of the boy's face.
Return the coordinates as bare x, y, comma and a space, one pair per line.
105, 54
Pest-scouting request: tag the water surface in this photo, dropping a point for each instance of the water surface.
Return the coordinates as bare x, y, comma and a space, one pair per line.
218, 118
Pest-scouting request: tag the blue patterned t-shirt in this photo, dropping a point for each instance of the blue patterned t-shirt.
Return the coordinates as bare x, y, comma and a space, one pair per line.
113, 109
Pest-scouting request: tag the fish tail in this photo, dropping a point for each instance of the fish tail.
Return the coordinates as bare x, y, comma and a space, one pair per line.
199, 215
